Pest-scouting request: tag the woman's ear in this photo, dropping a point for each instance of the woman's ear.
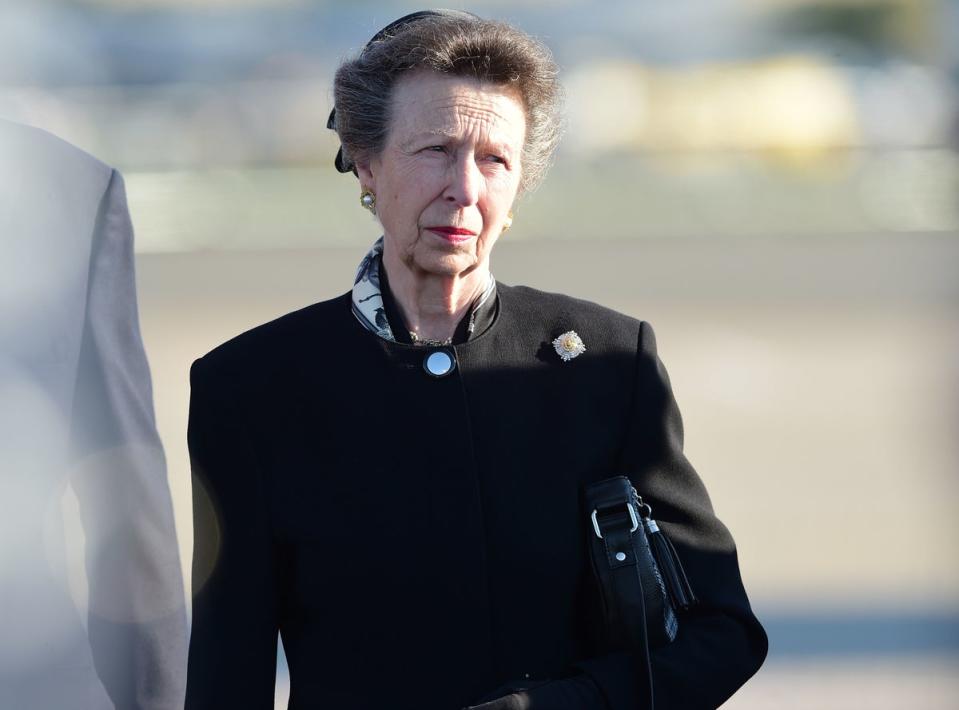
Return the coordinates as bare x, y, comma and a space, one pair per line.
365, 174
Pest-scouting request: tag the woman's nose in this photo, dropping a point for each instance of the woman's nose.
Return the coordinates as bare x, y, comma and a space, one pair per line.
464, 184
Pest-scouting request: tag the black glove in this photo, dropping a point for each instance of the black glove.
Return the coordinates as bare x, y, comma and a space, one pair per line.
513, 701
509, 696
575, 693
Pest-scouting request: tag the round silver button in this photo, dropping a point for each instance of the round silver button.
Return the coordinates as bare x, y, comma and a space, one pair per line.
620, 556
439, 363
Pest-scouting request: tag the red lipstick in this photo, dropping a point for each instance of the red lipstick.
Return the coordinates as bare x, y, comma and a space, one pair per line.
457, 231
453, 234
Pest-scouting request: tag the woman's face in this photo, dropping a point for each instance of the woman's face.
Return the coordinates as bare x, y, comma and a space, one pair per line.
449, 172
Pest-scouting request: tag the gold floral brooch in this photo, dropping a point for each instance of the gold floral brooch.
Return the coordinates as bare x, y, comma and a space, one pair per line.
569, 345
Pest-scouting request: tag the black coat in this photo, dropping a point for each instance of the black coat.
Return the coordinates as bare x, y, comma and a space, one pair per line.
420, 541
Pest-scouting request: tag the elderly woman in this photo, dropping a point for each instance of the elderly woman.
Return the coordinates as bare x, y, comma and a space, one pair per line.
393, 479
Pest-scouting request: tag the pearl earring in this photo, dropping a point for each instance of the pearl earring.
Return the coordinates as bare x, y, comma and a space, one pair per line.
368, 200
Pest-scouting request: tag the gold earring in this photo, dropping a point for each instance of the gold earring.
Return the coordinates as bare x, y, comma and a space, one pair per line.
508, 222
368, 200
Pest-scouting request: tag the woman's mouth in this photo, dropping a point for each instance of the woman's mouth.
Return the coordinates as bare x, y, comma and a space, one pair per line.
453, 234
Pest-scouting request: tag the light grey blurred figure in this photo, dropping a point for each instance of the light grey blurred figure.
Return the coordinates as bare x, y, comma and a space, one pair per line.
76, 408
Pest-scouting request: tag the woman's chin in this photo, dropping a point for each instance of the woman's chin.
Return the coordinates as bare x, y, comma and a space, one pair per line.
445, 264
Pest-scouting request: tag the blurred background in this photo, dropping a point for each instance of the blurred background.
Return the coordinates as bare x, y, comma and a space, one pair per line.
774, 184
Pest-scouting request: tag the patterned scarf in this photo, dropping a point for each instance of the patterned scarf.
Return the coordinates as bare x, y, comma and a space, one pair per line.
368, 297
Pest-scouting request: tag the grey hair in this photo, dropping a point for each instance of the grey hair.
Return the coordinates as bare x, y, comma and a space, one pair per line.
459, 45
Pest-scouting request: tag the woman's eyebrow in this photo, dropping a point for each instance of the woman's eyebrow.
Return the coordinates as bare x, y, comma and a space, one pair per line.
446, 134
433, 133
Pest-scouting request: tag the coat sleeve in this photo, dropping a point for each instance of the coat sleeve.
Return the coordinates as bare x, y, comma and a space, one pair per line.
721, 644
137, 617
234, 638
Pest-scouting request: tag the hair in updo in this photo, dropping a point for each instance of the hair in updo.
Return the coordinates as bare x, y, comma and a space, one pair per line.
458, 45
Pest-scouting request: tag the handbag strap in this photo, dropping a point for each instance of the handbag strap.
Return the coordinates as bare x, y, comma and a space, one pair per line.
620, 560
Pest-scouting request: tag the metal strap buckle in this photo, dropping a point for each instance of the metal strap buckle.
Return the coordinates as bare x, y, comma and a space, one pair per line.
632, 517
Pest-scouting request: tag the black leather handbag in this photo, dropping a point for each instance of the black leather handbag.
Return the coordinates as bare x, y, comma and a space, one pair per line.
641, 582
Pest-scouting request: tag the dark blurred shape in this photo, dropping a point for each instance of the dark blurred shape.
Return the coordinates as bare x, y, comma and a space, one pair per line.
868, 25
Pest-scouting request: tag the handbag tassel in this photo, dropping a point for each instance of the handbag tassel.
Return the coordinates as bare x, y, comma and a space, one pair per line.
674, 576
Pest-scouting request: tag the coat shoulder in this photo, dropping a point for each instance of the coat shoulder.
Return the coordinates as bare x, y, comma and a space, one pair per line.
272, 346
559, 303
38, 169
35, 146
555, 313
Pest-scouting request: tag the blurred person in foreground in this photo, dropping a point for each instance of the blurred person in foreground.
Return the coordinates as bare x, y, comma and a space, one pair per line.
76, 407
391, 479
